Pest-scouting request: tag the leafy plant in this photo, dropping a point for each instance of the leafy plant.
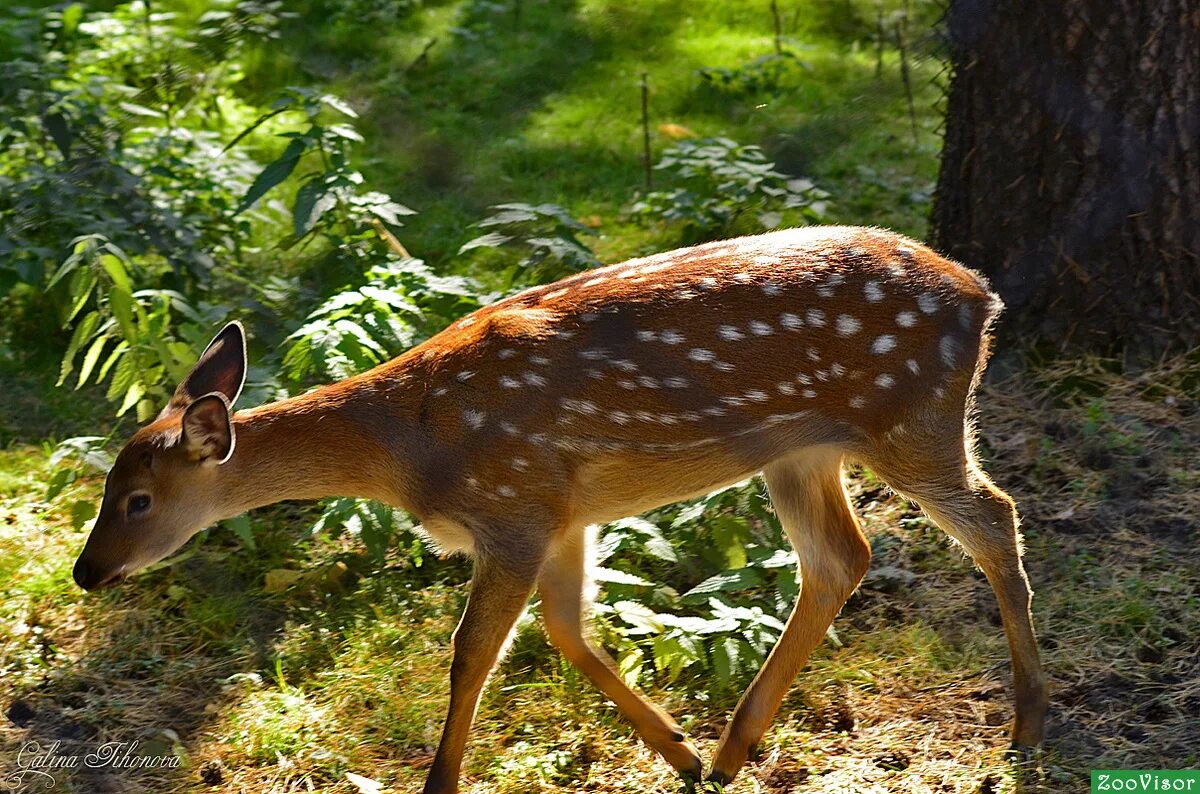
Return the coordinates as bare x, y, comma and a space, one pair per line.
711, 599
722, 186
401, 304
546, 237
132, 334
329, 199
768, 74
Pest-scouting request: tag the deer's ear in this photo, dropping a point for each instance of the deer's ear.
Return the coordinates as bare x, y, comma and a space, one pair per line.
221, 369
207, 430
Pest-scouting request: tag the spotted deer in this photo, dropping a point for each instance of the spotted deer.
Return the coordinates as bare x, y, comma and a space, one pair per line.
601, 396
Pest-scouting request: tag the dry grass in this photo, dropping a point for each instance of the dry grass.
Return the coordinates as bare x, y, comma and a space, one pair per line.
914, 700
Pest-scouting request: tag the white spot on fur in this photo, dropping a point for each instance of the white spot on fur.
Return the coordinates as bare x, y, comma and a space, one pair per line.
885, 381
624, 364
736, 401
729, 333
540, 361
803, 378
949, 348
815, 317
813, 354
809, 393
756, 396
883, 344
873, 292
913, 366
965, 316
759, 328
509, 428
647, 382
465, 375
715, 411
770, 289
627, 384
558, 293
507, 353
593, 282
440, 391
906, 319
646, 336
675, 383
700, 354
509, 383
506, 491
519, 464
790, 321
474, 418
927, 302
857, 402
786, 388
672, 338
837, 370
743, 277
534, 379
620, 417
847, 325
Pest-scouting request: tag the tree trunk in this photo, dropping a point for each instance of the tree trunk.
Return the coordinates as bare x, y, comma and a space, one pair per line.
1071, 168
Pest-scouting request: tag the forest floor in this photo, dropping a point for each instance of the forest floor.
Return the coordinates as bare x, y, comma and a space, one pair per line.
287, 691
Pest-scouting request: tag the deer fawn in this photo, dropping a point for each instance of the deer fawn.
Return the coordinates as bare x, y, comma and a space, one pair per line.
604, 395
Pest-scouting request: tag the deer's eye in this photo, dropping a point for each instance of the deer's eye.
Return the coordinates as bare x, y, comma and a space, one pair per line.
138, 503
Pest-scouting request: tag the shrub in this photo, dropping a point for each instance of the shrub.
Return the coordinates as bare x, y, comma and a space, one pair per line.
723, 187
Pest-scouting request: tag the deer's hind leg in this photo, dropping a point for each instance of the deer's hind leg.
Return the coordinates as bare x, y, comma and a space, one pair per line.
807, 493
931, 461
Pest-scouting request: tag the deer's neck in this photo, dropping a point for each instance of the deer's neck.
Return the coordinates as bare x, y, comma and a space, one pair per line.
348, 439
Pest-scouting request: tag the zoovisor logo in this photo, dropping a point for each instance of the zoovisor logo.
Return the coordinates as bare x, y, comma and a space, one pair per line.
37, 764
1147, 780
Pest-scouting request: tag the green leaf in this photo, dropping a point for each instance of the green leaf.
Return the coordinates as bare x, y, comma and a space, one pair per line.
619, 577
59, 480
641, 619
313, 200
82, 284
113, 355
83, 332
727, 582
339, 105
726, 658
89, 360
134, 394
82, 511
345, 131
273, 174
240, 525
489, 240
121, 304
115, 269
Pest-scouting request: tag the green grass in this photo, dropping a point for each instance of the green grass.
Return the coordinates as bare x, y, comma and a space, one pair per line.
548, 109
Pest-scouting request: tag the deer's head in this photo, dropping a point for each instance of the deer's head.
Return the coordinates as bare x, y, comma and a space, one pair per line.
165, 485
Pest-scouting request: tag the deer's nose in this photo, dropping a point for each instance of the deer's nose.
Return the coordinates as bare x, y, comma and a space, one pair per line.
90, 578
83, 574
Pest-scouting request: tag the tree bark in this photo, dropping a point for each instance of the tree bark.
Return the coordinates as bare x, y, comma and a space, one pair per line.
1071, 168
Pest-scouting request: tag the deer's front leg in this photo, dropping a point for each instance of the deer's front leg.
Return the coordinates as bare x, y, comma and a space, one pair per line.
499, 590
